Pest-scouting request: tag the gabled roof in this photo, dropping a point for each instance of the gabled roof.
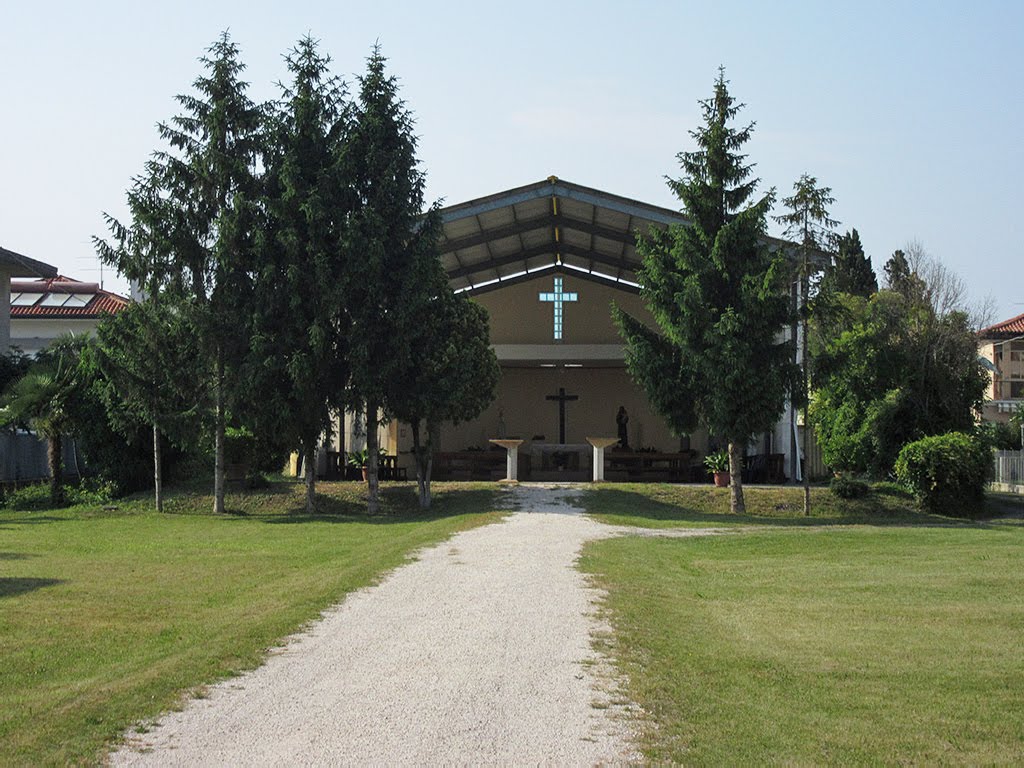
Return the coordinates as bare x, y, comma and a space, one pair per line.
552, 225
62, 297
22, 266
1007, 329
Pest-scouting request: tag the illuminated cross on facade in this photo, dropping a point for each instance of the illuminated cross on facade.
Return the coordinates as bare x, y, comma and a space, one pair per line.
558, 297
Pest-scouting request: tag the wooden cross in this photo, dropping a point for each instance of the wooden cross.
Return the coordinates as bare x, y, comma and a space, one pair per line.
562, 399
558, 297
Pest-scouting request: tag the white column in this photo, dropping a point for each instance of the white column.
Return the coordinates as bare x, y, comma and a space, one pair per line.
511, 459
600, 443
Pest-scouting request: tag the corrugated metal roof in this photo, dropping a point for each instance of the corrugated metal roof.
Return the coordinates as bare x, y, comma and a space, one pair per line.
62, 297
514, 235
1007, 329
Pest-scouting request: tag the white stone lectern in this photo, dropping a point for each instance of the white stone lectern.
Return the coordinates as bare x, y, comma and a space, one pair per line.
512, 459
600, 443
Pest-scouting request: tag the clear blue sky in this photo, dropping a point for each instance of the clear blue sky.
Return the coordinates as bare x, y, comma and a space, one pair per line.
911, 112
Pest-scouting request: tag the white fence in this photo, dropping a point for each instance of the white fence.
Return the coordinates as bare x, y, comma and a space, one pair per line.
1009, 467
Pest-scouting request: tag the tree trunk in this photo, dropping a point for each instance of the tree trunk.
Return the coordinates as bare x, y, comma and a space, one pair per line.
158, 479
805, 361
736, 505
310, 462
423, 455
372, 463
218, 439
56, 462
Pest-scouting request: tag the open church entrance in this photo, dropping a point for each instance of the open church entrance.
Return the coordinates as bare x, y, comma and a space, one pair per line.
547, 260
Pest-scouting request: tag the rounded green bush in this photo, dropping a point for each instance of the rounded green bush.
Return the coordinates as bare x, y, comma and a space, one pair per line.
848, 488
946, 473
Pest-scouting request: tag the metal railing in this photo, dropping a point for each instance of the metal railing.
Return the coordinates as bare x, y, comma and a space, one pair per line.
1009, 467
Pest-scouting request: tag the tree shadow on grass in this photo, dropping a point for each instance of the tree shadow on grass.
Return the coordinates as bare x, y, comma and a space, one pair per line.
769, 511
10, 586
15, 556
398, 504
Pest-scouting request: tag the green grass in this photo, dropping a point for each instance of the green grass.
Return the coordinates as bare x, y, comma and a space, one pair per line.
652, 505
108, 616
868, 645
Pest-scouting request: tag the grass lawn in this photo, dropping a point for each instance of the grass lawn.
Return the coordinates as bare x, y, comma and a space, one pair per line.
651, 505
107, 616
873, 644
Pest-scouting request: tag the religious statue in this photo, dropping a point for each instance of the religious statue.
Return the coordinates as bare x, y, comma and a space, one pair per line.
622, 420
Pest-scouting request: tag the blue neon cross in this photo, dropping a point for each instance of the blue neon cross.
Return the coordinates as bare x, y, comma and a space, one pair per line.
557, 298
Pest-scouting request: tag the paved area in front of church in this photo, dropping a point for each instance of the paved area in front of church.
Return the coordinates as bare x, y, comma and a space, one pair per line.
479, 651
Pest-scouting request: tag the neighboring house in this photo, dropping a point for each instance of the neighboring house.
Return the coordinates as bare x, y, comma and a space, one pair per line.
42, 310
15, 265
1001, 346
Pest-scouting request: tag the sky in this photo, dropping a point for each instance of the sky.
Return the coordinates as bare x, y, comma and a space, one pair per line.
909, 111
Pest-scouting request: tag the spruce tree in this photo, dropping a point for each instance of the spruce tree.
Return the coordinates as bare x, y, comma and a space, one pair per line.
194, 222
296, 368
393, 246
718, 296
809, 223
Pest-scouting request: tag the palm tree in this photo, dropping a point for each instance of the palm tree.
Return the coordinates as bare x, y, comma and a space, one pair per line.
40, 400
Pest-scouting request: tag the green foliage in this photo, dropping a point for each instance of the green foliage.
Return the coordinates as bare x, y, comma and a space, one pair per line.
999, 436
717, 462
851, 271
846, 487
13, 365
716, 293
946, 473
36, 497
296, 365
194, 222
895, 369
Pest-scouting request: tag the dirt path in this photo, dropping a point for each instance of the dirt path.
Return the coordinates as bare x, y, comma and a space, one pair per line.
477, 652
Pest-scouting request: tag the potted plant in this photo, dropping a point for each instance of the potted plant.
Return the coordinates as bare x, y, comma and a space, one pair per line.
718, 463
359, 459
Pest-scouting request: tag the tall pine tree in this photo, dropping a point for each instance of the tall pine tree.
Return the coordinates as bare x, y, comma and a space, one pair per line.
393, 246
809, 223
718, 296
196, 204
297, 365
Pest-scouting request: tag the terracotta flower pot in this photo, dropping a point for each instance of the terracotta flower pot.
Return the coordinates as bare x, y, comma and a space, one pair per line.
364, 474
721, 479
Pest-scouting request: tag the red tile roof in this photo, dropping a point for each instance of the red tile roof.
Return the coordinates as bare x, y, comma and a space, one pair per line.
1008, 329
101, 301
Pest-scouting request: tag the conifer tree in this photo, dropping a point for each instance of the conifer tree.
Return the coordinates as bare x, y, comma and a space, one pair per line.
851, 271
296, 370
393, 246
809, 223
194, 221
718, 296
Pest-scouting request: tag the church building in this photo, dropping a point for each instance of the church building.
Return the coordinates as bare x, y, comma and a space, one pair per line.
547, 261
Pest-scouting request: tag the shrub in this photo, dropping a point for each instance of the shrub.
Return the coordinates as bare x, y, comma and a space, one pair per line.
946, 473
848, 487
35, 497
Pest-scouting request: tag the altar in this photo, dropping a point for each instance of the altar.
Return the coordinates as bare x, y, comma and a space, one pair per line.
560, 461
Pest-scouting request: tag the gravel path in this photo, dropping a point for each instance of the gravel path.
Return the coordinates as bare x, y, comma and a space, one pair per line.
477, 652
